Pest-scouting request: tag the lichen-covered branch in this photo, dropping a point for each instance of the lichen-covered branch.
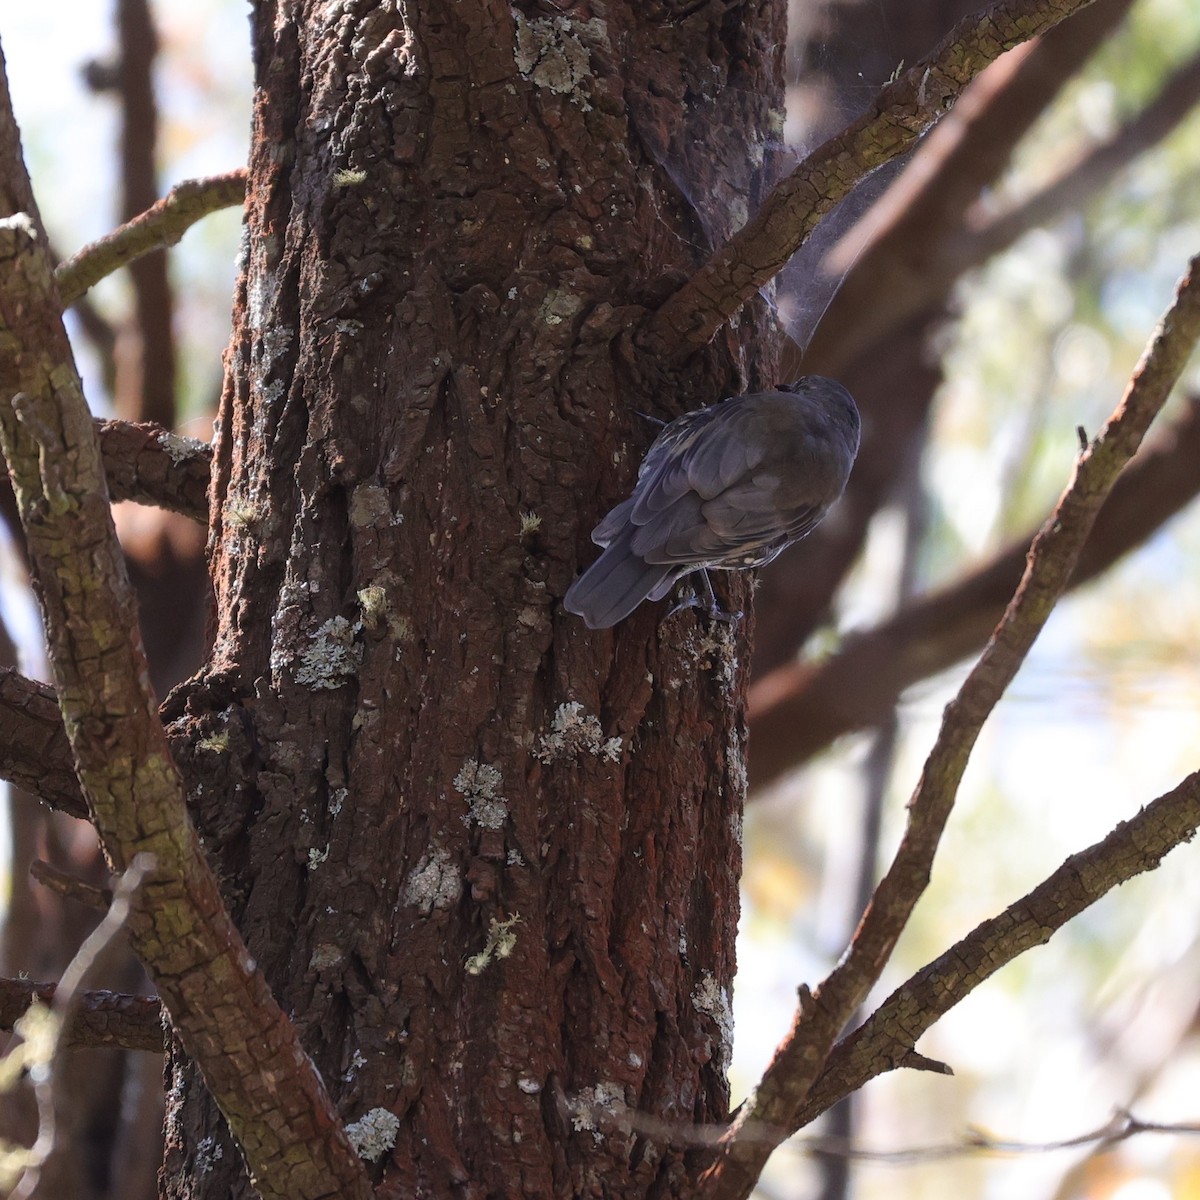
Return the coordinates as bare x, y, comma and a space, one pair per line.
776, 1103
274, 1100
149, 464
159, 226
882, 1041
900, 114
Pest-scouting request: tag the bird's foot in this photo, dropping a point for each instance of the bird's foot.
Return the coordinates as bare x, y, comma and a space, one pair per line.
707, 602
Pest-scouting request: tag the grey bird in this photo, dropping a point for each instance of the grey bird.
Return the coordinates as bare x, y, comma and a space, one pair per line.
727, 486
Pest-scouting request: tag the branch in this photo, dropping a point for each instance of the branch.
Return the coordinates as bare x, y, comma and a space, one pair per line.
34, 752
1120, 1127
901, 113
248, 1051
101, 1018
905, 253
780, 1097
149, 464
799, 709
68, 886
1175, 100
881, 1042
159, 226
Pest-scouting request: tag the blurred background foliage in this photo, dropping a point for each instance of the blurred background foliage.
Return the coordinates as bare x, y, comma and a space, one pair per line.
1103, 717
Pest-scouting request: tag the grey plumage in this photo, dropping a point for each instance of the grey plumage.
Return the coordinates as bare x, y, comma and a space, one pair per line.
726, 486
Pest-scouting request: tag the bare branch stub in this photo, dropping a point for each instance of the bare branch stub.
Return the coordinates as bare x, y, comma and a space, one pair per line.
34, 752
161, 225
781, 1094
149, 464
900, 114
101, 1018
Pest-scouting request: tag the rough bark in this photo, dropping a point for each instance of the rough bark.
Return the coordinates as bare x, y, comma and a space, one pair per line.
488, 859
178, 926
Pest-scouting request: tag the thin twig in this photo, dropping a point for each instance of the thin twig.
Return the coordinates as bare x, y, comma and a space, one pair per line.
161, 225
1120, 1127
780, 1096
34, 752
48, 1029
69, 886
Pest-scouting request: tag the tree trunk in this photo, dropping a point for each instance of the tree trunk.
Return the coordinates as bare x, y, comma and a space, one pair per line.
487, 859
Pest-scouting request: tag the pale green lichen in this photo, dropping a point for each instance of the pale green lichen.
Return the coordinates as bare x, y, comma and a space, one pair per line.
209, 1152
478, 781
332, 659
241, 514
374, 602
181, 449
574, 732
559, 306
373, 1134
710, 998
595, 1107
501, 942
436, 883
325, 956
551, 53
347, 178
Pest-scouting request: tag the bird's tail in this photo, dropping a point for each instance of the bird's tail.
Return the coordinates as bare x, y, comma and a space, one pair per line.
615, 584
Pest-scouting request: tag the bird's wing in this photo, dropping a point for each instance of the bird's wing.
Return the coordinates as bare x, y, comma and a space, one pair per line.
722, 493
699, 485
664, 474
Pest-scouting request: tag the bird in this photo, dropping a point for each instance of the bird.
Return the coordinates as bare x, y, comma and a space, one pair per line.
727, 486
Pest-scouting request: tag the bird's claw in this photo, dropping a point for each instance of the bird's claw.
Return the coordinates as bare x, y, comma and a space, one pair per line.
707, 604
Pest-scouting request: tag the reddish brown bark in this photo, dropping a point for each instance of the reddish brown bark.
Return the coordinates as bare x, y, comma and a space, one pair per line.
487, 858
177, 925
